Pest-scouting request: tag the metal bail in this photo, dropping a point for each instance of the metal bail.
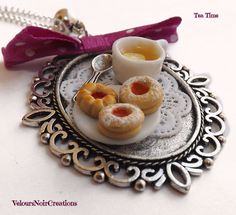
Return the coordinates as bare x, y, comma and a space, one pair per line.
67, 24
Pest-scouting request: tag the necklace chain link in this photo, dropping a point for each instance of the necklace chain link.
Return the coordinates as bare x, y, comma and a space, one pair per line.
25, 18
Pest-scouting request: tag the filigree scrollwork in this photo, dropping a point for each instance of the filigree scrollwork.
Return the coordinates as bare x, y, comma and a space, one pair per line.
117, 171
182, 71
182, 186
213, 109
215, 120
209, 140
206, 100
193, 164
47, 129
50, 126
58, 146
200, 92
215, 126
198, 81
36, 117
41, 89
83, 154
113, 168
158, 178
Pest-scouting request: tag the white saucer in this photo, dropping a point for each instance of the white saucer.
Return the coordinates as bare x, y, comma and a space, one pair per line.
88, 126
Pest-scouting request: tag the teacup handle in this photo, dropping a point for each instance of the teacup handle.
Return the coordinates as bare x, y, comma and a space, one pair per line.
163, 43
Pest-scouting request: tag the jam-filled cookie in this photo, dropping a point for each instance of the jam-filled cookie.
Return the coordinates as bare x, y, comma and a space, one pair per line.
143, 91
120, 121
93, 97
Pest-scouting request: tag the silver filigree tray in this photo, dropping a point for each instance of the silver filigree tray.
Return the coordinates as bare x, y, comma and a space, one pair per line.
153, 161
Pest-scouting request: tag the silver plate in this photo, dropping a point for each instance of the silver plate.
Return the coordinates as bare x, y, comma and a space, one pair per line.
151, 162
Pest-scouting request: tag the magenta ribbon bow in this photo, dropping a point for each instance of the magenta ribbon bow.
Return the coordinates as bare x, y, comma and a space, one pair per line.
34, 42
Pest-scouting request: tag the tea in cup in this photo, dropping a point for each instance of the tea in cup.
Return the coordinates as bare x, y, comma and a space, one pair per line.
134, 56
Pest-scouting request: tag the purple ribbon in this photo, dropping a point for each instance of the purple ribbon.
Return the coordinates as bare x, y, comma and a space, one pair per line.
34, 42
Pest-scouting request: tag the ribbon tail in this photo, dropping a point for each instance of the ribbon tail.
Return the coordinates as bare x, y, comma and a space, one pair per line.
34, 42
166, 29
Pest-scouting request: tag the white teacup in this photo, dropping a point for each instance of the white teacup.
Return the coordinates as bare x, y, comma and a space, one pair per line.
134, 56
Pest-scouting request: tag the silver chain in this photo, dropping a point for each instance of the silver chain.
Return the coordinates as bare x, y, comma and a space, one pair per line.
25, 18
60, 23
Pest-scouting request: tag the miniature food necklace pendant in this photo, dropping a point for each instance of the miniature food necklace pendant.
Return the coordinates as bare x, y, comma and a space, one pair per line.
184, 143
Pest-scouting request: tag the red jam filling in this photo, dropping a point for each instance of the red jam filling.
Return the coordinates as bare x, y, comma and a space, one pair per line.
98, 95
121, 112
139, 88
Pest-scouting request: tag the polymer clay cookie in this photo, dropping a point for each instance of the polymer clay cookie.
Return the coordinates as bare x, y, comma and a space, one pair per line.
92, 97
143, 91
120, 121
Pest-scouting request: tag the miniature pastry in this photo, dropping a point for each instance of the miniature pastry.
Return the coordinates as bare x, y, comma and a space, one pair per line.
143, 91
120, 121
92, 97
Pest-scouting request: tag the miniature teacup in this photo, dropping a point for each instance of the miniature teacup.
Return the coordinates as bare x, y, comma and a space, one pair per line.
134, 56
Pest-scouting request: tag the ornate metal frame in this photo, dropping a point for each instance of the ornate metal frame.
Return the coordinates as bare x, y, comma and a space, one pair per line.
73, 149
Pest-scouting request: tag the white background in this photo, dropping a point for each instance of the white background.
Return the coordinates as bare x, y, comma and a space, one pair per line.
28, 171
